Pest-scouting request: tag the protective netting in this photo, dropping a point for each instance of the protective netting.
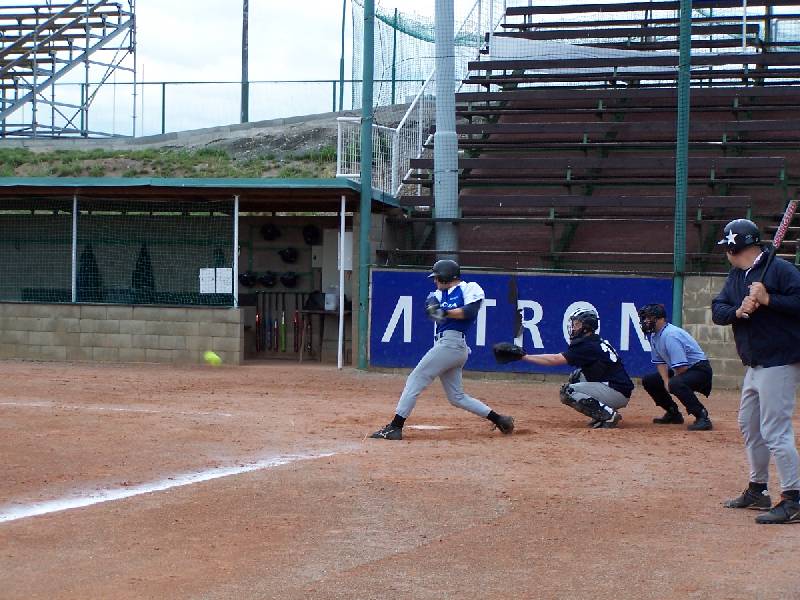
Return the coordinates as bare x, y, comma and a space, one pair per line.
127, 252
405, 53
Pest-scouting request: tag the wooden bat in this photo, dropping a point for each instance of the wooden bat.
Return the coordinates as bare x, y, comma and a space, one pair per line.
275, 336
283, 321
258, 322
777, 240
296, 324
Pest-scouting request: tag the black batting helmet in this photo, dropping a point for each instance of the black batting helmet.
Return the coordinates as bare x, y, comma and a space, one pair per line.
589, 320
649, 314
739, 234
445, 270
288, 255
312, 235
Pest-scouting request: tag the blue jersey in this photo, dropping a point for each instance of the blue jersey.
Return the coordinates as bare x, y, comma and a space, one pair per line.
457, 297
674, 347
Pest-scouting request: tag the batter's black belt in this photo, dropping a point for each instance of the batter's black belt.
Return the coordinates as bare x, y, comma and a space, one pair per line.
449, 333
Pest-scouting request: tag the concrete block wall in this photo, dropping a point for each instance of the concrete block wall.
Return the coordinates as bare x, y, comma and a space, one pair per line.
716, 341
118, 333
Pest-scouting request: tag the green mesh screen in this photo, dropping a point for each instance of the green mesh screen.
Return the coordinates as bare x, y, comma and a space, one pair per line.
35, 250
128, 252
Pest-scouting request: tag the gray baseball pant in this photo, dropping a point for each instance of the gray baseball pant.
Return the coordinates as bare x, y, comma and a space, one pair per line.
765, 419
444, 360
601, 392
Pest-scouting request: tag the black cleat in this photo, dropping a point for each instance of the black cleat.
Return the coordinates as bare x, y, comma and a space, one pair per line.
750, 499
785, 511
701, 423
670, 418
505, 424
610, 423
390, 432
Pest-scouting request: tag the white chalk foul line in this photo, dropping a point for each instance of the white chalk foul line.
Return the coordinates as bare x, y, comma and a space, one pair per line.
15, 513
114, 409
435, 427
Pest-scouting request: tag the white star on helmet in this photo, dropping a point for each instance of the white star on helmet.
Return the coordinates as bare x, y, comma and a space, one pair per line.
731, 238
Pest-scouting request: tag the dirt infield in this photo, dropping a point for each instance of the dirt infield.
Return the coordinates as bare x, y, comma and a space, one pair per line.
310, 509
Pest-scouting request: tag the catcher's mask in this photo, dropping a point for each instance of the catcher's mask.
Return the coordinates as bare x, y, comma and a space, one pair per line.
739, 234
445, 271
588, 320
649, 314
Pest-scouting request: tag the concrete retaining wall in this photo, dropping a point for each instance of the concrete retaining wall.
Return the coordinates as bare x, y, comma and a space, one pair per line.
118, 333
716, 341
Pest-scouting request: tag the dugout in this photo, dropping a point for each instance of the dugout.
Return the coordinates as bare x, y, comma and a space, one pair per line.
146, 269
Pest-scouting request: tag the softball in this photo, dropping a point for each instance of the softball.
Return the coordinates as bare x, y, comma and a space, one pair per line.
212, 358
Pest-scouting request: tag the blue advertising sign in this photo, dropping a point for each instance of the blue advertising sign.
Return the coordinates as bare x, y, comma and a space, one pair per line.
400, 332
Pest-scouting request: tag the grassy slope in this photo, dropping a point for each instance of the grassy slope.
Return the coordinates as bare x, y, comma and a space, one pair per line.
208, 162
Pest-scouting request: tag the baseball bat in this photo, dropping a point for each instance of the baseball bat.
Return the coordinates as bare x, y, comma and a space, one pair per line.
777, 240
283, 321
268, 323
296, 325
258, 322
275, 327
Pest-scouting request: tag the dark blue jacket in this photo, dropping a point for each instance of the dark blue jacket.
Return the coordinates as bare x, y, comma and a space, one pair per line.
771, 336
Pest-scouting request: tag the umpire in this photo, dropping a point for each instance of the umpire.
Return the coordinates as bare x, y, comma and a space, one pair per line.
763, 307
681, 369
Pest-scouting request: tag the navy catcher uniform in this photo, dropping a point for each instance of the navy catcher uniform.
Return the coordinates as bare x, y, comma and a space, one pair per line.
453, 307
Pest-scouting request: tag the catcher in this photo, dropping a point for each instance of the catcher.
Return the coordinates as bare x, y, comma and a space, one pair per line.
599, 385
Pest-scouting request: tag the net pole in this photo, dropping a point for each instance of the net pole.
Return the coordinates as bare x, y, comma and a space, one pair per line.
235, 273
74, 275
445, 140
367, 117
681, 161
341, 59
340, 344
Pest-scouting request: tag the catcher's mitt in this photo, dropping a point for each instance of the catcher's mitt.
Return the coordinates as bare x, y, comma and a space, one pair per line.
505, 352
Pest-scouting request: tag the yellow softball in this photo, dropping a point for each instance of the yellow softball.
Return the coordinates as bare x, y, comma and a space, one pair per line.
212, 358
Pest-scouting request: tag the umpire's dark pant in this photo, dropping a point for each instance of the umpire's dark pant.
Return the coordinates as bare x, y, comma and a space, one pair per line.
696, 378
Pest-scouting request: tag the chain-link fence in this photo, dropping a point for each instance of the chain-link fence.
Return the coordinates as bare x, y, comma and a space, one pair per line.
117, 251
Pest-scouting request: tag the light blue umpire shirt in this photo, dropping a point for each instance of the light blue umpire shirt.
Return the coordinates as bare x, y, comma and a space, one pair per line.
674, 347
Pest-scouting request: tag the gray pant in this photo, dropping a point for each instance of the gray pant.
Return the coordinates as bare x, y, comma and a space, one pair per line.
604, 394
765, 418
445, 361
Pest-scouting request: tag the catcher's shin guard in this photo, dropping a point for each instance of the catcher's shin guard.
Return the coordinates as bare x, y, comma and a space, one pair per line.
594, 409
566, 396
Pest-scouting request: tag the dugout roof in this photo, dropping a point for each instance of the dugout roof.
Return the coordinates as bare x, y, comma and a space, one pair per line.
255, 195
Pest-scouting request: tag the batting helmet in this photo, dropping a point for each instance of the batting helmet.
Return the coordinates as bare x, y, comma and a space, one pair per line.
268, 279
311, 235
649, 314
270, 231
288, 255
289, 279
247, 279
445, 270
589, 320
739, 234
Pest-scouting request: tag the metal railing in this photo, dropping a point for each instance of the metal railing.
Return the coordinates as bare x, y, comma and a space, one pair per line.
393, 148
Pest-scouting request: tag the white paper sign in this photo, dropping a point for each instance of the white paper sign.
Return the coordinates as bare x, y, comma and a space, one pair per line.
207, 281
224, 281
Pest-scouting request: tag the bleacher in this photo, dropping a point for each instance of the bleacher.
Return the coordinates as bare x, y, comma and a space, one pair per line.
40, 43
568, 160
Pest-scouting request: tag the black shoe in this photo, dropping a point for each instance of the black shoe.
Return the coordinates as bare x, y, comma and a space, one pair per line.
701, 423
390, 432
610, 424
505, 424
595, 423
785, 511
750, 499
671, 417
